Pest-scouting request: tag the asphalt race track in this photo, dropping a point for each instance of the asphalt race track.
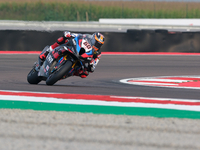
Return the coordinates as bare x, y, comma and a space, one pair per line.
28, 129
105, 79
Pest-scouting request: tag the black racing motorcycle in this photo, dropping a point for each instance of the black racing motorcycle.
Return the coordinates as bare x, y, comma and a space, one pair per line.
77, 52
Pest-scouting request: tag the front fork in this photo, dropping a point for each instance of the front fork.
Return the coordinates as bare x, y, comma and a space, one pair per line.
74, 68
60, 62
77, 64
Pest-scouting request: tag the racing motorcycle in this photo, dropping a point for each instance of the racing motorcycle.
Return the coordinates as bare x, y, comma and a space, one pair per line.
77, 53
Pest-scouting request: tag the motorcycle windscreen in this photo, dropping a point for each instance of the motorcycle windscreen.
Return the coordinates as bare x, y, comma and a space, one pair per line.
82, 43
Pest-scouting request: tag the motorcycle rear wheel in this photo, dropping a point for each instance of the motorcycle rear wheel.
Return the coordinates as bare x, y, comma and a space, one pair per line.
54, 77
32, 77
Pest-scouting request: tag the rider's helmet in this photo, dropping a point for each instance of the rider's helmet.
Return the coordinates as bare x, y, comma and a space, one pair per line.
97, 40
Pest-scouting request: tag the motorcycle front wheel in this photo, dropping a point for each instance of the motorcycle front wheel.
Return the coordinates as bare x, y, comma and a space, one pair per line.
57, 75
32, 77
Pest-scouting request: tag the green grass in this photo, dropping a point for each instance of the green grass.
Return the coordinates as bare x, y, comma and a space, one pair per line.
98, 109
74, 11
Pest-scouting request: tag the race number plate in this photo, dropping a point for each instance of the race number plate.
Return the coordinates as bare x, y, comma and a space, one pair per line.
49, 58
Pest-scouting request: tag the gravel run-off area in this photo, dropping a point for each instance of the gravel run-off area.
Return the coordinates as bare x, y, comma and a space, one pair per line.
30, 130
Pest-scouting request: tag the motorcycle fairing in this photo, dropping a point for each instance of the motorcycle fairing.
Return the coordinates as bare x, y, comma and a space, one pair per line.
83, 43
59, 63
45, 70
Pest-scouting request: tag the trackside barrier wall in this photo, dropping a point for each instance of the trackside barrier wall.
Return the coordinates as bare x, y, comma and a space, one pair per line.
132, 41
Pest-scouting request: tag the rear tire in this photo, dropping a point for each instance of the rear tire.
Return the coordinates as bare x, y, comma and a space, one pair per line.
32, 77
54, 77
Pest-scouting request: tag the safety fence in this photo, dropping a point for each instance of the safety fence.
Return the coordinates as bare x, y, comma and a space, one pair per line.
131, 41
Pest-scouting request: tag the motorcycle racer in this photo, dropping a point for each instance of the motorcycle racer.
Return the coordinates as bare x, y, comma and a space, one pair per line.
95, 40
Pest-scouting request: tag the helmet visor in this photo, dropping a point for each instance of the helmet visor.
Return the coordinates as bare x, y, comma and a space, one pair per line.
98, 44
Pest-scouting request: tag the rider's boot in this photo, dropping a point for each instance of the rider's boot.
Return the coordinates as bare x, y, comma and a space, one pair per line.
82, 73
42, 57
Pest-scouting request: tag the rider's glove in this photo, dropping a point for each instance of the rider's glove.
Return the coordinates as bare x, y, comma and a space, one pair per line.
68, 35
97, 54
92, 65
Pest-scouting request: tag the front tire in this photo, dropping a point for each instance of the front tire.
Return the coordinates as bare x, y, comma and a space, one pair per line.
54, 77
32, 77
